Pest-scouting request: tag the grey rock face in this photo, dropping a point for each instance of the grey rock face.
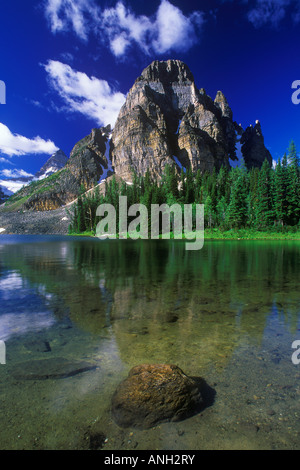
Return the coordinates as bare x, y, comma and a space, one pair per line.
87, 159
165, 115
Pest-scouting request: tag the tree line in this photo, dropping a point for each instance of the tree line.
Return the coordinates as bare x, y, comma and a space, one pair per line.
260, 198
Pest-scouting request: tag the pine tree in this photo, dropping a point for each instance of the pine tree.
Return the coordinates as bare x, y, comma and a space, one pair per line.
293, 195
171, 181
280, 201
221, 212
198, 184
222, 183
80, 225
189, 188
209, 213
253, 195
264, 211
294, 184
237, 214
293, 157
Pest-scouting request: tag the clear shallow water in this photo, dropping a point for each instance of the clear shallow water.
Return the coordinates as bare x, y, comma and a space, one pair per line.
228, 313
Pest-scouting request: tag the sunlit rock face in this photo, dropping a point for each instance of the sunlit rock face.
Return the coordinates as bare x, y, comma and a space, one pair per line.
166, 119
165, 115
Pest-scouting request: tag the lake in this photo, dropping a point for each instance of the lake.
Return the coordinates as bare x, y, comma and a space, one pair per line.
78, 313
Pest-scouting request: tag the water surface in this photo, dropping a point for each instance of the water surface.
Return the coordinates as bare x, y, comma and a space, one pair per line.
228, 313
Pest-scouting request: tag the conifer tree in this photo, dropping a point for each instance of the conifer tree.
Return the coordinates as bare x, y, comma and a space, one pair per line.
81, 227
294, 183
237, 214
264, 210
280, 202
189, 197
293, 157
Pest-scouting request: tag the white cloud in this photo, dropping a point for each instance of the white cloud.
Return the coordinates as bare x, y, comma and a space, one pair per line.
11, 186
64, 15
15, 144
15, 173
168, 29
119, 45
90, 96
4, 160
174, 30
268, 11
124, 28
272, 12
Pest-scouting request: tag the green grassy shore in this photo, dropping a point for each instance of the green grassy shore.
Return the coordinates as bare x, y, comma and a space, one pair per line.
241, 234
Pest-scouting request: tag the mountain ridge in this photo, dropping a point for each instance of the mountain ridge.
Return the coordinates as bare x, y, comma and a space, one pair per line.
165, 120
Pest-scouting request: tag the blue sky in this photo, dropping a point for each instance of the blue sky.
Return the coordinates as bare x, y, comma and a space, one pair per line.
68, 65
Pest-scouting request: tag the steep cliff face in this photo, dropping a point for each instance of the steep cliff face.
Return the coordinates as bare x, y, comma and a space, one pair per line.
166, 116
87, 159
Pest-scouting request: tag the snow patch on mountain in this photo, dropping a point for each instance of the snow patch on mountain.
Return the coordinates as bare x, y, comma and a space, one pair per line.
55, 163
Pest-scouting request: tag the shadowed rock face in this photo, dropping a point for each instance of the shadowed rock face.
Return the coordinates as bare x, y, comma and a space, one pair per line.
165, 115
253, 147
153, 393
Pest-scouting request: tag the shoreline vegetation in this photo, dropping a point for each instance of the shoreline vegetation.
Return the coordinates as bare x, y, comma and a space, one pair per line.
239, 203
217, 234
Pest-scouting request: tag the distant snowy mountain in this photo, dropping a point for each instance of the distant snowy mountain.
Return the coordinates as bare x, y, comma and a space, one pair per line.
11, 185
56, 162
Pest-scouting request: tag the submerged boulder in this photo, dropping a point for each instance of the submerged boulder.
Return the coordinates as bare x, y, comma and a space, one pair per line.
153, 393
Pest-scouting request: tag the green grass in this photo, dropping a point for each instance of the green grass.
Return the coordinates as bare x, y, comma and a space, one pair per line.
239, 234
15, 205
250, 234
83, 234
34, 188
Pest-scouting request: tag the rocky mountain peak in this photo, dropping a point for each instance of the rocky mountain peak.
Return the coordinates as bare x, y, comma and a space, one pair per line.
167, 72
167, 120
222, 103
253, 147
55, 163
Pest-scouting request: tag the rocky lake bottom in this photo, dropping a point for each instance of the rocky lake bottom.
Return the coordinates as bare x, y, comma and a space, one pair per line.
77, 315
